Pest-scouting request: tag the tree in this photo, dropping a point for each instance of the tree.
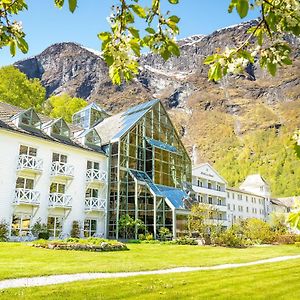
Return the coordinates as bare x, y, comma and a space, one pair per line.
294, 217
17, 89
129, 228
296, 138
265, 42
63, 106
201, 221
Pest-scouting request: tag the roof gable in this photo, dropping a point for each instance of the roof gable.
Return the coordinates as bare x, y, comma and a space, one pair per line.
206, 171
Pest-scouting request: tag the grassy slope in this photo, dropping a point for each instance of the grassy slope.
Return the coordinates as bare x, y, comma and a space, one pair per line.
20, 260
269, 281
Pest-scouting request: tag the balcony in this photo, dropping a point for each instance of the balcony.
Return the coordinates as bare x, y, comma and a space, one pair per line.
58, 200
97, 177
29, 164
209, 191
94, 204
26, 197
62, 170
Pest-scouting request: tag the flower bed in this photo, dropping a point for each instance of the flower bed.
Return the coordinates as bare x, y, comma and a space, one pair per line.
93, 244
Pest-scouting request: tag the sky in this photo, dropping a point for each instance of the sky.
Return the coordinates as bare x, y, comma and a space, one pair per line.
45, 25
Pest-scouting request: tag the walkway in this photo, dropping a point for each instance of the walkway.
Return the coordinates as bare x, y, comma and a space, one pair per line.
57, 279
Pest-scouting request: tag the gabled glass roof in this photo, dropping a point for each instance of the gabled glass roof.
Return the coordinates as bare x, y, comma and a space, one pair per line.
161, 145
142, 106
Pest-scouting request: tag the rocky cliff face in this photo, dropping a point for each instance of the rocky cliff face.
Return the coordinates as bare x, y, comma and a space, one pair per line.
212, 118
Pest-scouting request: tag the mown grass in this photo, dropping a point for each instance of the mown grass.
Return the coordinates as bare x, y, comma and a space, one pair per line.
21, 260
268, 281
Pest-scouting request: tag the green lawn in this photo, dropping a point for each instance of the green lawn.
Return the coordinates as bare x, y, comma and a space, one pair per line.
20, 260
268, 281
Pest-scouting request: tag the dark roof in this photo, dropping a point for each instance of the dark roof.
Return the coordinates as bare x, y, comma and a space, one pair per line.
7, 112
114, 127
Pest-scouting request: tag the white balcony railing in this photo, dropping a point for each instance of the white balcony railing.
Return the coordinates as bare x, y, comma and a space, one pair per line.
26, 196
60, 200
93, 203
96, 175
28, 162
62, 169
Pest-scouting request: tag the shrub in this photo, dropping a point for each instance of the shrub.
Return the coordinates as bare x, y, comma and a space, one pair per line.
80, 245
75, 231
40, 230
257, 231
134, 241
4, 231
185, 241
149, 236
297, 244
230, 238
164, 234
285, 238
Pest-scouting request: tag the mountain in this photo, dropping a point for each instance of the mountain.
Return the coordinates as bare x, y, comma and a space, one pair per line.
242, 124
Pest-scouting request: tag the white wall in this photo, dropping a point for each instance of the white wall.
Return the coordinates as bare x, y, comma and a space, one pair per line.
9, 152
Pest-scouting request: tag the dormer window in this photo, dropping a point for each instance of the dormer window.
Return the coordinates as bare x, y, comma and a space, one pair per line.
60, 128
92, 138
28, 119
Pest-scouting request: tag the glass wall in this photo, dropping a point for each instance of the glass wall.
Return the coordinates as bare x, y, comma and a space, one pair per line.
153, 147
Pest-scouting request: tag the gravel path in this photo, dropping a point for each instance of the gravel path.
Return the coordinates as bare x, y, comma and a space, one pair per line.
57, 279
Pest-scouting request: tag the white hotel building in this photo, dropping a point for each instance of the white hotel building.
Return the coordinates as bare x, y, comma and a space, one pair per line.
52, 172
251, 200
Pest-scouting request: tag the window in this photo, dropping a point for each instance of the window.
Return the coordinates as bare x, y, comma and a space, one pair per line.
210, 200
240, 208
228, 195
219, 201
240, 197
209, 185
199, 182
54, 226
232, 195
200, 198
247, 209
30, 118
233, 206
57, 188
20, 225
228, 206
92, 193
59, 158
90, 227
25, 150
61, 128
93, 138
24, 183
246, 198
218, 187
220, 216
92, 165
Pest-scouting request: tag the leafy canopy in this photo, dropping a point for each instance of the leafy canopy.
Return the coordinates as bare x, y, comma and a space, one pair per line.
17, 89
265, 42
63, 106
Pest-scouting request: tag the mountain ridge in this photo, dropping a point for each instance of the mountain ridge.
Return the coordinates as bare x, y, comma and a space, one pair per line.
231, 123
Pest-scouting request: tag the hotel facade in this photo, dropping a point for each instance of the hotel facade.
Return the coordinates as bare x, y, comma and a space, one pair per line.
101, 168
93, 171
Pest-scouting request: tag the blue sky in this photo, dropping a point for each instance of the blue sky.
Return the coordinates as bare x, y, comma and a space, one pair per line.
44, 24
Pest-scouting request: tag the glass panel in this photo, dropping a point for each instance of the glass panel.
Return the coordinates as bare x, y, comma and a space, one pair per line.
20, 184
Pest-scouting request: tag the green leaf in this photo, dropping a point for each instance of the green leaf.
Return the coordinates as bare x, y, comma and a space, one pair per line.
72, 5
242, 8
287, 61
104, 35
272, 68
210, 59
173, 48
247, 55
12, 47
150, 30
22, 44
59, 3
139, 10
174, 19
232, 5
174, 1
115, 75
215, 72
135, 47
134, 32
165, 54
